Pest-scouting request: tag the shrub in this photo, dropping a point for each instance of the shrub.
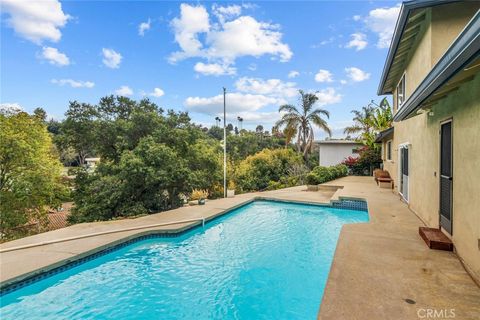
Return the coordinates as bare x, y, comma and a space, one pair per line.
267, 169
199, 194
364, 165
321, 174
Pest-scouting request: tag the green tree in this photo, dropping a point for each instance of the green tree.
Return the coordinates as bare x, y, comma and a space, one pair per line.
361, 123
149, 159
216, 132
304, 120
369, 121
79, 129
40, 113
30, 181
289, 132
267, 169
249, 143
382, 117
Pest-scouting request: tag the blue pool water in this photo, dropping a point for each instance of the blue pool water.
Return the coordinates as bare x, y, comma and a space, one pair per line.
266, 260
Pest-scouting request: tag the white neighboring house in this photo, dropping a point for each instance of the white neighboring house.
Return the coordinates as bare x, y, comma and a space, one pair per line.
333, 152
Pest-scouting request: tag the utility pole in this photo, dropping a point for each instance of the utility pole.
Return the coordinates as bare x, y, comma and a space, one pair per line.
224, 144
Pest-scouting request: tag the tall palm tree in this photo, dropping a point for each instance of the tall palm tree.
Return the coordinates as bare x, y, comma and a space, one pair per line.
303, 121
361, 122
289, 133
369, 121
382, 117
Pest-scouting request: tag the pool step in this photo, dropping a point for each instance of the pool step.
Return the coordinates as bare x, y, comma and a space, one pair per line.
435, 239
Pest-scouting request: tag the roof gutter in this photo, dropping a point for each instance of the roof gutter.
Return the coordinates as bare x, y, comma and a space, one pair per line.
382, 134
465, 48
402, 20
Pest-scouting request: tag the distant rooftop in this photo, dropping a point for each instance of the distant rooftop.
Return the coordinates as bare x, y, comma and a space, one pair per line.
337, 141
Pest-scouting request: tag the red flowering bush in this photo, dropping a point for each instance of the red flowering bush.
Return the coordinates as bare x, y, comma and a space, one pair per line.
350, 161
368, 160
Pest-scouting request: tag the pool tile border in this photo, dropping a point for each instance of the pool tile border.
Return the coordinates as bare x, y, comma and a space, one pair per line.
344, 203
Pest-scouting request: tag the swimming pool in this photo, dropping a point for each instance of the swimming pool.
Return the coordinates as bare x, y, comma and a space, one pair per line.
265, 260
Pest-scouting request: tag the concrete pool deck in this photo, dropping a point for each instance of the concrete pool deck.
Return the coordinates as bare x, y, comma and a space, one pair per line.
380, 264
377, 265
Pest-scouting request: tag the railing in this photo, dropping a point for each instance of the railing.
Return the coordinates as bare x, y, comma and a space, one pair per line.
100, 233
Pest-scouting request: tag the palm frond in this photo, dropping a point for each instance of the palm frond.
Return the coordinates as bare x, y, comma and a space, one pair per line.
288, 108
352, 129
321, 123
320, 112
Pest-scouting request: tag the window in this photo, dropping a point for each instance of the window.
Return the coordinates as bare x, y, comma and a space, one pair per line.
389, 150
401, 92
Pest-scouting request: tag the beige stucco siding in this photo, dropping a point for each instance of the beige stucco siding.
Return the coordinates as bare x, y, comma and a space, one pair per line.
448, 21
420, 61
441, 26
422, 132
466, 170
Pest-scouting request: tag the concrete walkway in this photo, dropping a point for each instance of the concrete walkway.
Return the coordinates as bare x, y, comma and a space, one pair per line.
377, 265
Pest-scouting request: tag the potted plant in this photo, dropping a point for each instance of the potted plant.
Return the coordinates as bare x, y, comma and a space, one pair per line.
231, 189
198, 196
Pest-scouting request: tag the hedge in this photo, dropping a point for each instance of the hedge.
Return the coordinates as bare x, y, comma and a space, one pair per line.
321, 174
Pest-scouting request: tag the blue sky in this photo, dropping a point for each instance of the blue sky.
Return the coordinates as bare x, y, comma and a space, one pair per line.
181, 54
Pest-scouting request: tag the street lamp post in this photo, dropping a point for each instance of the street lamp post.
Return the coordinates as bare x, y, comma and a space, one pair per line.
224, 145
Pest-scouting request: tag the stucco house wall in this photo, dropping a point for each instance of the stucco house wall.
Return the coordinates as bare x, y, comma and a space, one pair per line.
331, 153
424, 152
421, 132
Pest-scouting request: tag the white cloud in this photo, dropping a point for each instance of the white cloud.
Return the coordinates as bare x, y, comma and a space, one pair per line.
252, 67
111, 58
323, 76
356, 17
236, 102
36, 20
124, 91
227, 40
144, 26
214, 69
55, 57
9, 108
328, 96
356, 74
226, 13
246, 36
73, 83
358, 41
260, 117
293, 74
271, 87
382, 22
343, 81
193, 20
157, 93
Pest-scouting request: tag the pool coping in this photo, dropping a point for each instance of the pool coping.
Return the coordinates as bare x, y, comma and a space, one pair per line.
26, 279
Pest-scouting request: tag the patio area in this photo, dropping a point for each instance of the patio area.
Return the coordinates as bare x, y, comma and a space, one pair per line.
377, 265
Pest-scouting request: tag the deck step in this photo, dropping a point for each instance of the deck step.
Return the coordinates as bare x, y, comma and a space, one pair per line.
435, 239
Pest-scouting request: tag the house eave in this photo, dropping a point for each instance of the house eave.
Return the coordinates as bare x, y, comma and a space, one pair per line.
463, 50
382, 135
404, 14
